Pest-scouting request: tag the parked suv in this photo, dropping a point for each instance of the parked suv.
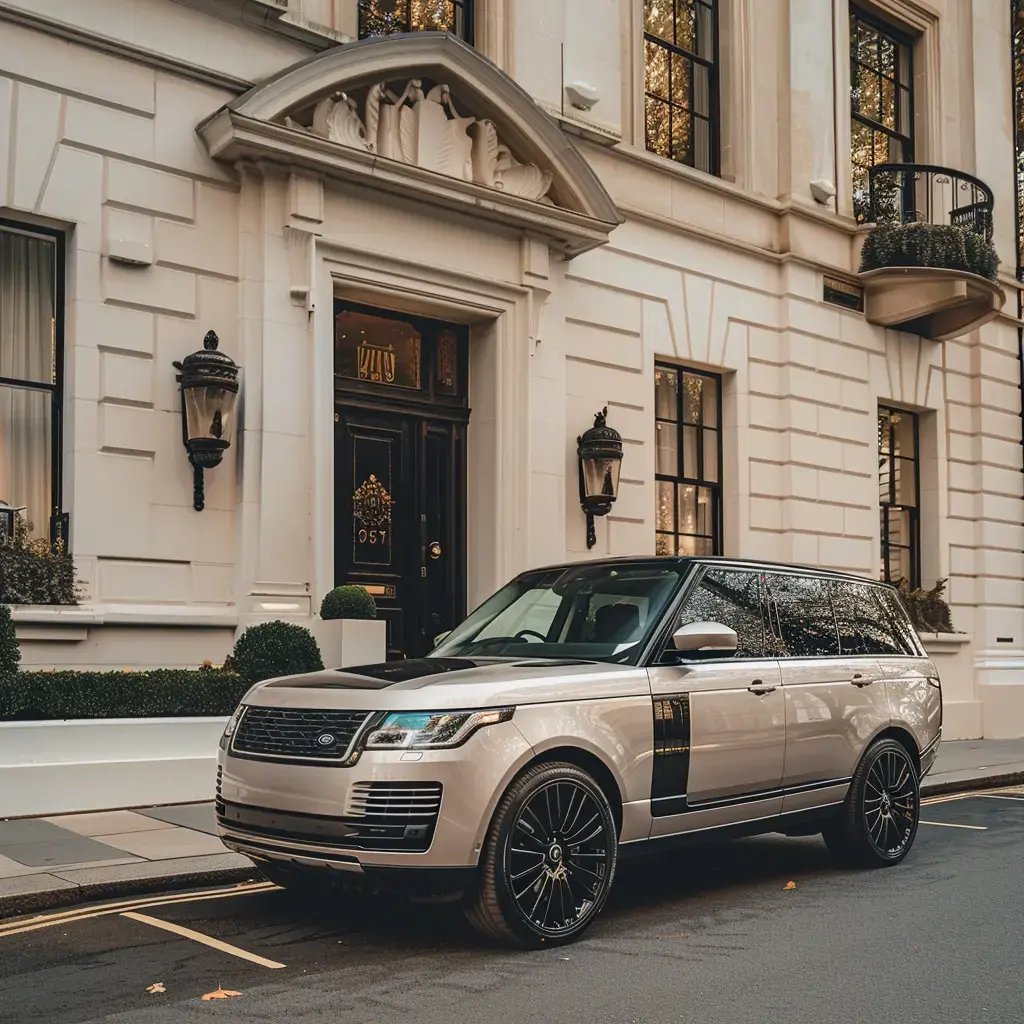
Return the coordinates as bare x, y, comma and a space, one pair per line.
582, 713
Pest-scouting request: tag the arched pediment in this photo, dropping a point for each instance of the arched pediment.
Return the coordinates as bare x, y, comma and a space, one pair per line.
402, 112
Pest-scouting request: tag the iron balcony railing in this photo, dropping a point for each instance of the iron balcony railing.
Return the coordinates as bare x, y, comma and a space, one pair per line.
909, 193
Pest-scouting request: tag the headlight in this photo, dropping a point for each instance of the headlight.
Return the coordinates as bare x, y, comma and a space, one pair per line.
229, 729
431, 730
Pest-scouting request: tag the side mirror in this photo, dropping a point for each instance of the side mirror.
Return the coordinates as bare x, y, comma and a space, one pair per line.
440, 637
705, 636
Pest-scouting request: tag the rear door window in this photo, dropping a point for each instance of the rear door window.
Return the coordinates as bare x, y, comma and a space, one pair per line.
805, 621
865, 627
733, 598
899, 620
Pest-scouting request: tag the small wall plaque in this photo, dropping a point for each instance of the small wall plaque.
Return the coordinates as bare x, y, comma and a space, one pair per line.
843, 293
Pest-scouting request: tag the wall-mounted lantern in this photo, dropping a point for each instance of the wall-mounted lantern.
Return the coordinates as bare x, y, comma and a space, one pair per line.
208, 381
599, 451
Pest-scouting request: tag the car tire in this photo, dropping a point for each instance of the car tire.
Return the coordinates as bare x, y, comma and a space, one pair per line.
549, 859
878, 821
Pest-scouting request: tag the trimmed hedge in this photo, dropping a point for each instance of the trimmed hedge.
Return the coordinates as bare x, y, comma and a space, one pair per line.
162, 693
33, 572
942, 246
348, 602
10, 652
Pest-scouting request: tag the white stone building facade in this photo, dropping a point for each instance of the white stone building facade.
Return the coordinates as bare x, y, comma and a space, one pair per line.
521, 246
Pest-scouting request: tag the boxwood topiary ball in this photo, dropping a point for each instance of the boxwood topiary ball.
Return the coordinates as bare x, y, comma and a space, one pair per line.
275, 648
348, 602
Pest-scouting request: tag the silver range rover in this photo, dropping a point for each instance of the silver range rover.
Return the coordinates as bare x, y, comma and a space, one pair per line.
583, 713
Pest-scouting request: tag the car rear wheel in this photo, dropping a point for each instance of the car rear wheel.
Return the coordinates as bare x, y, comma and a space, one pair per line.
549, 859
878, 822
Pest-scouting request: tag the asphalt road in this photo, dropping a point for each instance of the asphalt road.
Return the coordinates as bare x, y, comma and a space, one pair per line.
710, 935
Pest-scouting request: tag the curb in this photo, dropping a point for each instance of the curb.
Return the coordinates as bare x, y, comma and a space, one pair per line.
941, 787
51, 899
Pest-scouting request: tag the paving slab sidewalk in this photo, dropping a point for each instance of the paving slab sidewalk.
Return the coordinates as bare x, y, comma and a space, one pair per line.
60, 860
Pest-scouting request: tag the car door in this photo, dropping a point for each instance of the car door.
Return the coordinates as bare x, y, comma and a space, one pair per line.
834, 699
719, 721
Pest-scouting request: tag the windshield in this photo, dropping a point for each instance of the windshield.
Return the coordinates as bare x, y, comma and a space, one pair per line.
597, 612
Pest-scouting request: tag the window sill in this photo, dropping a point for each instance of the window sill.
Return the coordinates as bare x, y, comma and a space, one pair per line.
945, 641
72, 622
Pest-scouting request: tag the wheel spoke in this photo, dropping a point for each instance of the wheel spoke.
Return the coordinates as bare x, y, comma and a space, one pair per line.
564, 827
572, 840
534, 869
530, 811
540, 896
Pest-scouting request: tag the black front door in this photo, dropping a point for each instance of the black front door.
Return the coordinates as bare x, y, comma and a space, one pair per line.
400, 428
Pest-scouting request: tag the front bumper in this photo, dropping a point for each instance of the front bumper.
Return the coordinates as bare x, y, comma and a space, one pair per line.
378, 814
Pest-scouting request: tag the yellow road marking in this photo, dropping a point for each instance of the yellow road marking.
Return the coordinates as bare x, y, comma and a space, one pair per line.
206, 940
72, 916
1003, 796
949, 824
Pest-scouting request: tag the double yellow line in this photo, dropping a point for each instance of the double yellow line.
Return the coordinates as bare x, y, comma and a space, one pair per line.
40, 921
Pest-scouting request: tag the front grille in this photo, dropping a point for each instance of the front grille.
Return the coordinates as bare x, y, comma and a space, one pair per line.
297, 733
395, 801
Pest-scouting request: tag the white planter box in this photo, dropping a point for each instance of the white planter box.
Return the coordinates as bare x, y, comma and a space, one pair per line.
105, 764
350, 641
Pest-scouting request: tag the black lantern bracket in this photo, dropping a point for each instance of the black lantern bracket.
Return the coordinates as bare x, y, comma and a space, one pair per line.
599, 457
208, 383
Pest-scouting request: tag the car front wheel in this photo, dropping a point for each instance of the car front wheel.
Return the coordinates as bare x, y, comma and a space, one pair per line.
878, 821
549, 859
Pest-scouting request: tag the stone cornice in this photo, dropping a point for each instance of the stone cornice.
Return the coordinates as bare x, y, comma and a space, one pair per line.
233, 137
120, 48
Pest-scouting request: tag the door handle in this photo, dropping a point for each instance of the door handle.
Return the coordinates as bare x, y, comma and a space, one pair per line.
434, 549
760, 688
861, 680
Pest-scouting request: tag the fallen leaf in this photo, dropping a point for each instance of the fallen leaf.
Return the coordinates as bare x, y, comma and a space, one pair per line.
789, 887
156, 988
220, 993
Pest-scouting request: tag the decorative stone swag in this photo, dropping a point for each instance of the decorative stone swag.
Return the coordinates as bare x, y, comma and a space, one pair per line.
426, 117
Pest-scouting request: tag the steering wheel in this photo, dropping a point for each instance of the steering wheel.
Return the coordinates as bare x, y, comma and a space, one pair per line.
523, 633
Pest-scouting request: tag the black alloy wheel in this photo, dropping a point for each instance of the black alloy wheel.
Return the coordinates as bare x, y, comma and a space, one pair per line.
879, 819
550, 858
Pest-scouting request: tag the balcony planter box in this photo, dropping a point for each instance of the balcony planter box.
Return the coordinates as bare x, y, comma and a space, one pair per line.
350, 641
961, 708
931, 301
52, 767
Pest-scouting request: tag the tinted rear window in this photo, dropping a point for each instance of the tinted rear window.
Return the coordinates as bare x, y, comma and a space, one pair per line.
865, 627
806, 624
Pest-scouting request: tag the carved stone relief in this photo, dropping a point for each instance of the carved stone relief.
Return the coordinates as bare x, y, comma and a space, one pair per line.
425, 129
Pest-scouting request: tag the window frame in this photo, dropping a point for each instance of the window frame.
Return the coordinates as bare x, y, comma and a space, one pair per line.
465, 6
714, 66
914, 511
908, 139
679, 479
56, 387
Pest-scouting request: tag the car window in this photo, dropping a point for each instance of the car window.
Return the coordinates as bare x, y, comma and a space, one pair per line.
864, 626
903, 628
807, 626
604, 612
534, 611
732, 598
